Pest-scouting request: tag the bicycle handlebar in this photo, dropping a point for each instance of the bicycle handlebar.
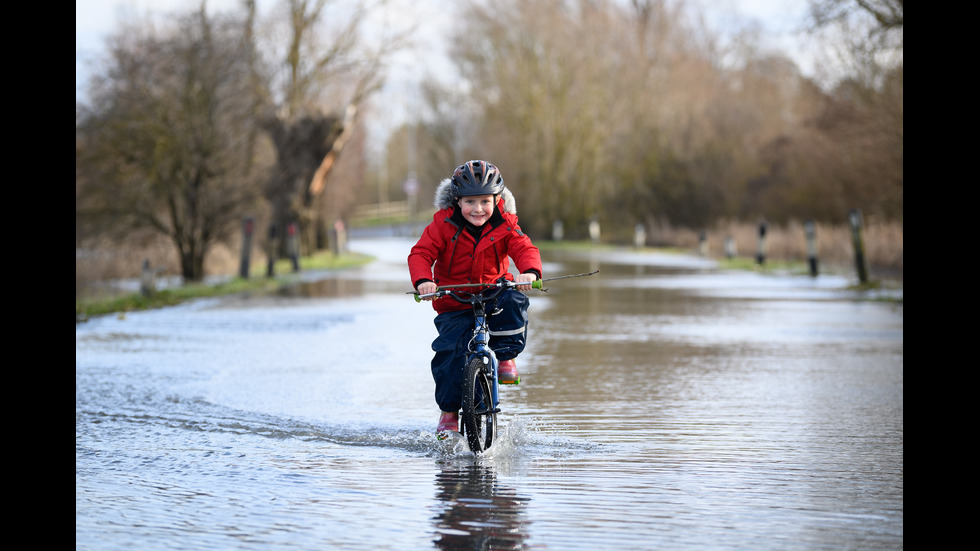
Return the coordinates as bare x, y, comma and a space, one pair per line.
503, 284
450, 290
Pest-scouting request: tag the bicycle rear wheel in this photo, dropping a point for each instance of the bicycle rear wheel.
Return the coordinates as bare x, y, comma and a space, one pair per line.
479, 413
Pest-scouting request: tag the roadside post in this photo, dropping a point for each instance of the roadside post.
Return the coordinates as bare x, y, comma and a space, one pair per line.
809, 227
148, 279
594, 232
292, 247
639, 236
855, 218
248, 226
270, 246
731, 250
339, 238
760, 256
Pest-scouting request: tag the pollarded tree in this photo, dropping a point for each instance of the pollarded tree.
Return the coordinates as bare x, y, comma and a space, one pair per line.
313, 92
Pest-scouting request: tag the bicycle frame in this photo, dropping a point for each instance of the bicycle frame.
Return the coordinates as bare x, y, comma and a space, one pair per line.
479, 345
479, 411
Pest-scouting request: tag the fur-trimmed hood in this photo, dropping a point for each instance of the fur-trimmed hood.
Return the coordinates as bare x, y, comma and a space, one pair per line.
444, 197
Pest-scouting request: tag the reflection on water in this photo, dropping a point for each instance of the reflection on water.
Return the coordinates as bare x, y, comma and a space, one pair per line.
478, 512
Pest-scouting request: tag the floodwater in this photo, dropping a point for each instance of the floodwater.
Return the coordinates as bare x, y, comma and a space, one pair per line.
664, 404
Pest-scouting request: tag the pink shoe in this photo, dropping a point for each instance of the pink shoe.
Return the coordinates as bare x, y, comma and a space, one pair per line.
507, 373
448, 421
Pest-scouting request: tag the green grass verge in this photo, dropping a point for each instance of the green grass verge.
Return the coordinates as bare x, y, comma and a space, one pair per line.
256, 283
750, 264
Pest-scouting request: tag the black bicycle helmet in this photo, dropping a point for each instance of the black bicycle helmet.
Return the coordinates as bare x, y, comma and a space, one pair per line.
477, 178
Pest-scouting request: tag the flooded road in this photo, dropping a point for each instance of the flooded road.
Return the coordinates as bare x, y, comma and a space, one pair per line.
664, 404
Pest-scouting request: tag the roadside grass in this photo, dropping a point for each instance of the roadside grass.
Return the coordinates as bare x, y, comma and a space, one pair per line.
257, 283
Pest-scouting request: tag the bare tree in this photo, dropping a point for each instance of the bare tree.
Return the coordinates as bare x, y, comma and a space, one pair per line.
867, 36
167, 145
174, 142
888, 15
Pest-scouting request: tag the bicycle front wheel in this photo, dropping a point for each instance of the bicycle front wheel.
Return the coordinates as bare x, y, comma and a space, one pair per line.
479, 414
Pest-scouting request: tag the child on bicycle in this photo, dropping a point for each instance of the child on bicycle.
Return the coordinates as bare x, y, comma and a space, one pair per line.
469, 240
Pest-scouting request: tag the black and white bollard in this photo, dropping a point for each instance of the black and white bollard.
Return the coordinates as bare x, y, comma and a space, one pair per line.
760, 256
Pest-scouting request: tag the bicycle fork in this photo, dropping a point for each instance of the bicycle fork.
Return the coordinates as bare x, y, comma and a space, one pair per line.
480, 347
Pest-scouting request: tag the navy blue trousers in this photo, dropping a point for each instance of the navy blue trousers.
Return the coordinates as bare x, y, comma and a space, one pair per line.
508, 337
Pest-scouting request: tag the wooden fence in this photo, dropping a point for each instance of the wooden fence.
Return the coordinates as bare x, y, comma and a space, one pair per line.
393, 209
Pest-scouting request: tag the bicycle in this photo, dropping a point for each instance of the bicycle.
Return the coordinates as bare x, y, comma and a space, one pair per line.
481, 399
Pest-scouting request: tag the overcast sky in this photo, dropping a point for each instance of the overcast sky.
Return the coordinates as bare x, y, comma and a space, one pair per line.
95, 20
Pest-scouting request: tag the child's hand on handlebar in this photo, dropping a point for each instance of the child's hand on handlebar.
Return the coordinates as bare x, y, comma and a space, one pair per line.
524, 281
427, 288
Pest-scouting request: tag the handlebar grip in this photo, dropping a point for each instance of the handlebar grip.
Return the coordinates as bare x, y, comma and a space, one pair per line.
418, 298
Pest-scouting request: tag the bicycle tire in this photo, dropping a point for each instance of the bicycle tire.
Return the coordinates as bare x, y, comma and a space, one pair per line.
479, 414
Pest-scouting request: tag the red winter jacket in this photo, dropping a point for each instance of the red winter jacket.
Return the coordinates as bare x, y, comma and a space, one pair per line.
449, 255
